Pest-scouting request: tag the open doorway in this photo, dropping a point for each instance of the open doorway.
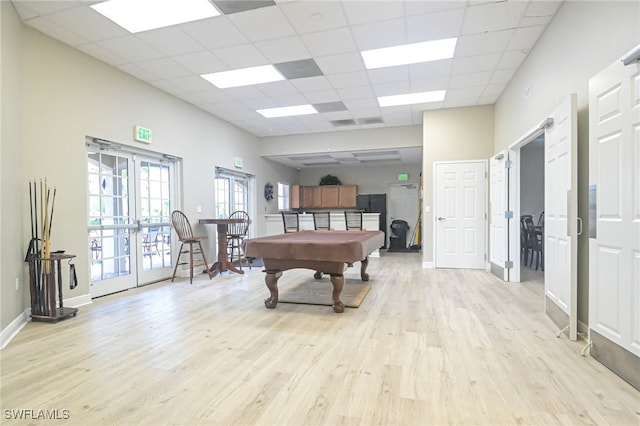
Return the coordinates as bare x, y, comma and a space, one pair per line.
532, 167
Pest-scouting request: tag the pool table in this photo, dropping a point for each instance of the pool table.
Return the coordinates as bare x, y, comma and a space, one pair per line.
326, 252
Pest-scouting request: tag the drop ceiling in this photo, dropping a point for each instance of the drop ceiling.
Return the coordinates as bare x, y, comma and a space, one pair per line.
325, 37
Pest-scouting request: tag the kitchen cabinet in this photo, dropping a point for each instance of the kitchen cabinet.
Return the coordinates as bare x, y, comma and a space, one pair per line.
323, 196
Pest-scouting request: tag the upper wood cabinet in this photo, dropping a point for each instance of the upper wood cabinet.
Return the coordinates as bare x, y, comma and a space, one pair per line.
324, 196
347, 196
294, 196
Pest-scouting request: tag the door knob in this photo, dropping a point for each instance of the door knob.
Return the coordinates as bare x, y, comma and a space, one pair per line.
441, 219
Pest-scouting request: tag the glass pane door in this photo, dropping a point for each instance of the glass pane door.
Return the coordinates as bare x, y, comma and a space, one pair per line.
129, 229
154, 188
110, 224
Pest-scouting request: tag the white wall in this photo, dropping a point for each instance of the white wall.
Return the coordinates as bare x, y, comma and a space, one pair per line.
583, 38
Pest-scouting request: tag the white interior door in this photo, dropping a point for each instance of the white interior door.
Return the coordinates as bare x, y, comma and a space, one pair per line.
561, 219
461, 216
614, 205
498, 219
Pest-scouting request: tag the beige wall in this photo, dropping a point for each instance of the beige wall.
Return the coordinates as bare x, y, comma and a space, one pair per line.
67, 95
12, 217
583, 38
451, 134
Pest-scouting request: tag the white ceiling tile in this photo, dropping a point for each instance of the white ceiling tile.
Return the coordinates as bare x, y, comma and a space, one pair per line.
511, 59
164, 68
388, 75
395, 88
312, 84
525, 38
493, 90
363, 104
55, 30
428, 69
464, 93
212, 95
170, 41
475, 63
190, 84
380, 34
203, 62
433, 83
431, 6
329, 42
277, 88
472, 79
313, 16
355, 92
214, 33
166, 86
139, 72
502, 76
45, 7
91, 24
435, 26
242, 56
546, 8
244, 92
264, 23
130, 48
336, 64
348, 79
283, 49
493, 16
321, 96
480, 44
102, 54
24, 12
363, 11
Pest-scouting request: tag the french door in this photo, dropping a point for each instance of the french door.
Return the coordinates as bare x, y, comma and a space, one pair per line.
130, 199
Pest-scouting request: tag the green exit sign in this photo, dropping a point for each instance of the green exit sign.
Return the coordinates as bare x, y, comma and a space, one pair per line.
142, 134
403, 176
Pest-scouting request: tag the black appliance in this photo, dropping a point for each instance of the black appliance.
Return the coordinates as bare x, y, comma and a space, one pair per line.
375, 203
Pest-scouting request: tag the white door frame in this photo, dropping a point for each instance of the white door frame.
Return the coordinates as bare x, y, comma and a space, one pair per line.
498, 215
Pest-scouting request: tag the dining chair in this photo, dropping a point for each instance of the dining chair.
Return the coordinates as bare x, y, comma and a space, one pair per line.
322, 221
291, 222
353, 220
185, 235
236, 233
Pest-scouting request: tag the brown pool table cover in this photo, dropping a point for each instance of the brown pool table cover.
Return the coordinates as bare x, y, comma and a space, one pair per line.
335, 246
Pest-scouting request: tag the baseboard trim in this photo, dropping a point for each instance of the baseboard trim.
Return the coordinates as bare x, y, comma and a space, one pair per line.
74, 302
427, 265
557, 315
616, 358
13, 329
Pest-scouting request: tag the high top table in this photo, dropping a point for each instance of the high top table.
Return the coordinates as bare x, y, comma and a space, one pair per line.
223, 264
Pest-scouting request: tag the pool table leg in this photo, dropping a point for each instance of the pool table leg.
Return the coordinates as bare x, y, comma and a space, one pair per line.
338, 285
363, 269
272, 284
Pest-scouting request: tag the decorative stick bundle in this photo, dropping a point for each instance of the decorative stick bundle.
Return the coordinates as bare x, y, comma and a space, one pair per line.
39, 251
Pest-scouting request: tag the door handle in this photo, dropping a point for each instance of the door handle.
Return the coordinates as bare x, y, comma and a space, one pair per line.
441, 219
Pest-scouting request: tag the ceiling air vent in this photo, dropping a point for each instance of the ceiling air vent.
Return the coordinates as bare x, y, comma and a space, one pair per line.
370, 120
342, 123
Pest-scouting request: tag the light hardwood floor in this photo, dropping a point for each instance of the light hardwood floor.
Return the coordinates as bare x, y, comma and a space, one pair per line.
426, 347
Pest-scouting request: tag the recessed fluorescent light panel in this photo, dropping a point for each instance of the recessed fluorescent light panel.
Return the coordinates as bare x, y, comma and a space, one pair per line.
287, 111
142, 15
409, 53
244, 77
412, 98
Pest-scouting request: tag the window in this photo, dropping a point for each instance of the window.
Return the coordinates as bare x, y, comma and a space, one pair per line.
283, 196
231, 192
